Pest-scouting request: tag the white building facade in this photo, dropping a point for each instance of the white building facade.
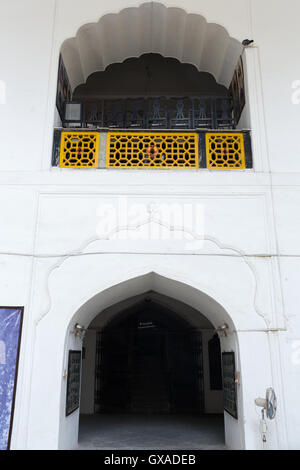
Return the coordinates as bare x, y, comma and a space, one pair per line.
214, 244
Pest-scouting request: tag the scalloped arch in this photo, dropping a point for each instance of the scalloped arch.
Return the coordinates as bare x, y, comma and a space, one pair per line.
151, 27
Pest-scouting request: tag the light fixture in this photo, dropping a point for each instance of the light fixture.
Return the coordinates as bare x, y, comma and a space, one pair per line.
223, 329
73, 114
79, 331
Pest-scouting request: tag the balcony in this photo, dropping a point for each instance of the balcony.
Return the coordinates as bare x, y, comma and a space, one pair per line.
153, 112
203, 112
148, 149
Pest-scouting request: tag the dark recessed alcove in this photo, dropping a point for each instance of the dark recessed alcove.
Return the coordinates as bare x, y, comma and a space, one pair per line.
149, 360
149, 75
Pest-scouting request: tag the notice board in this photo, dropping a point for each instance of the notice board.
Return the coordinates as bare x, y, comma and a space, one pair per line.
229, 384
73, 384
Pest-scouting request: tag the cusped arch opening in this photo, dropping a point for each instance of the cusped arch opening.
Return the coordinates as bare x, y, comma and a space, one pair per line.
151, 28
153, 68
150, 75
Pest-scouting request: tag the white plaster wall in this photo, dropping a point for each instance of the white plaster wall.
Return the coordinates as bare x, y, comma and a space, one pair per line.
235, 433
290, 347
54, 21
61, 285
275, 29
26, 37
56, 429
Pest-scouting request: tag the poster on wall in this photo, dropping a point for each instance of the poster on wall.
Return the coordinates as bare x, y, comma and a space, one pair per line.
229, 385
10, 337
73, 384
237, 90
64, 92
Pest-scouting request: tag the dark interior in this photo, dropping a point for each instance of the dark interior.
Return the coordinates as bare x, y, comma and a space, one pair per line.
151, 92
149, 360
149, 75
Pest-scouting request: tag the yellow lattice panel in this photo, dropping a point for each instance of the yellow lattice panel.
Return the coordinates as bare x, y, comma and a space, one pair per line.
152, 150
225, 150
79, 150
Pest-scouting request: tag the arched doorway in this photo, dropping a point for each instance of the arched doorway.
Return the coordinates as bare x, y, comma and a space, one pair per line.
91, 297
151, 377
183, 300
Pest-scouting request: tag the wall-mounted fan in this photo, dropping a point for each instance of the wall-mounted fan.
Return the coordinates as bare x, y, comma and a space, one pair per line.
269, 404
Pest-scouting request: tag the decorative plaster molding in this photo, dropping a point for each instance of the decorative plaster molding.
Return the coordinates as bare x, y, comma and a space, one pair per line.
151, 218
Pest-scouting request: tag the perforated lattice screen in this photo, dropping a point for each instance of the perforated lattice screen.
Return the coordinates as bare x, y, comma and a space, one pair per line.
79, 150
152, 150
225, 150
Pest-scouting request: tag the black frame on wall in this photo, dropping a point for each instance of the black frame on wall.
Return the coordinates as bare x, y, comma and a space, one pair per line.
74, 377
229, 384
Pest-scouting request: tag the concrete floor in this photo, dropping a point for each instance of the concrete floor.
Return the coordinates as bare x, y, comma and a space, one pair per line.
149, 432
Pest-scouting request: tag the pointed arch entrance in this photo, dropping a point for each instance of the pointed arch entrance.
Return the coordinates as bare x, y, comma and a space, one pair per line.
190, 306
150, 378
97, 288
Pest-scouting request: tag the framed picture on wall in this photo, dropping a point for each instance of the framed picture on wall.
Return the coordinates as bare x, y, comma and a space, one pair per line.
64, 91
73, 383
229, 385
11, 319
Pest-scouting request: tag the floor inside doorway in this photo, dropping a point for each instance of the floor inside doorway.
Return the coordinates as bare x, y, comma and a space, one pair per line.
133, 432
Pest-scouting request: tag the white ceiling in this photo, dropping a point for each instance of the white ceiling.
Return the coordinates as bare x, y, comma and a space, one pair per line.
152, 27
175, 295
192, 316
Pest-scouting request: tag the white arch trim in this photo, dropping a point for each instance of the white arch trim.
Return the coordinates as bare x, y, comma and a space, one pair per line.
50, 363
181, 291
151, 27
151, 218
168, 284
